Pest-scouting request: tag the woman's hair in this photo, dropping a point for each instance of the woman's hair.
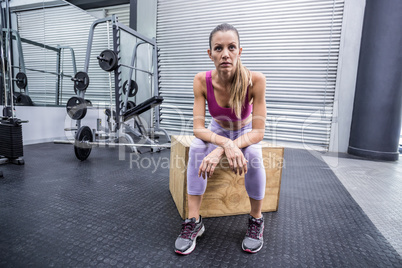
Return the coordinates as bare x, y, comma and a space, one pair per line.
242, 77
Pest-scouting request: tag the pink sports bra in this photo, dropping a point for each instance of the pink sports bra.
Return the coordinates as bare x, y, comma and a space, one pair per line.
223, 113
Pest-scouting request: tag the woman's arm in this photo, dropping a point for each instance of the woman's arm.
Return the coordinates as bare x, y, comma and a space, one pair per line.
199, 129
210, 161
235, 157
259, 113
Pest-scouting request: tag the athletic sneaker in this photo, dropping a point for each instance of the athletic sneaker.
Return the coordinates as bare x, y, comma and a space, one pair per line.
190, 230
253, 240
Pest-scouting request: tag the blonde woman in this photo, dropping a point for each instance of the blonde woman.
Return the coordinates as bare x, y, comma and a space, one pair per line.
236, 102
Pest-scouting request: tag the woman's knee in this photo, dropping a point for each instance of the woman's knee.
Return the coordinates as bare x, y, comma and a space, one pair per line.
198, 144
197, 189
197, 152
255, 182
253, 154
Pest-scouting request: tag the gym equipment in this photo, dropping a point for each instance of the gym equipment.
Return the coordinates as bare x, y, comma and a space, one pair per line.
11, 145
76, 108
133, 88
143, 107
130, 105
123, 112
108, 113
22, 99
108, 60
81, 147
81, 81
21, 80
82, 142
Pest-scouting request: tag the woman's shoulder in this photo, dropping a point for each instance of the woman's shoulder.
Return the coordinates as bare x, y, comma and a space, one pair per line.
258, 84
200, 80
200, 83
200, 77
257, 77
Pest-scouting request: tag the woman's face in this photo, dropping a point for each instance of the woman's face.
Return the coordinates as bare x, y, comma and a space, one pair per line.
225, 51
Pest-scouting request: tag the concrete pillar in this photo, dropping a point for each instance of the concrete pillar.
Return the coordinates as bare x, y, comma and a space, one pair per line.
376, 120
133, 14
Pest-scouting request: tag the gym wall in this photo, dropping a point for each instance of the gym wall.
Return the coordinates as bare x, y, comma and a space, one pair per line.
289, 111
295, 44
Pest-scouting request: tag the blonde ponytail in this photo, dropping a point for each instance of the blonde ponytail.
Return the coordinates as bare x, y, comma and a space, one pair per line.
238, 89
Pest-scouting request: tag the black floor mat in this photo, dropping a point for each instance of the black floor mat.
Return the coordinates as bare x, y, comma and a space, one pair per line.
56, 211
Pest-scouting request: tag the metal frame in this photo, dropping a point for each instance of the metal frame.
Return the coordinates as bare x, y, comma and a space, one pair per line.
59, 71
3, 69
10, 70
132, 68
7, 74
58, 50
121, 128
84, 143
17, 37
152, 41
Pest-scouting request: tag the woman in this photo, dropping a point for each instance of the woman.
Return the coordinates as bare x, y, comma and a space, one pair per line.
231, 92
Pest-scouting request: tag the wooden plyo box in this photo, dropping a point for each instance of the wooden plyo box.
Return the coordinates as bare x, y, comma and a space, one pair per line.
225, 194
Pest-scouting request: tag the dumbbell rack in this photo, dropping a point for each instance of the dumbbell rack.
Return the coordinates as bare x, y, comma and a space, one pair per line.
109, 60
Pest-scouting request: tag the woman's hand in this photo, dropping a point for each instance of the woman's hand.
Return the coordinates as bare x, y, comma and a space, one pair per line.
209, 162
237, 161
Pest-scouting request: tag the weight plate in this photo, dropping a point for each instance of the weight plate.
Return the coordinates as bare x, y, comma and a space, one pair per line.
108, 60
21, 80
22, 99
81, 81
130, 105
128, 138
133, 88
76, 108
82, 150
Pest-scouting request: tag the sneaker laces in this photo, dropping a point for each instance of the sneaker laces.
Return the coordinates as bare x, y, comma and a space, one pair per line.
254, 228
186, 229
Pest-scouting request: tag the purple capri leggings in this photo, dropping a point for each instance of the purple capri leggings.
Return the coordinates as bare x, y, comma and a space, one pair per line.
255, 178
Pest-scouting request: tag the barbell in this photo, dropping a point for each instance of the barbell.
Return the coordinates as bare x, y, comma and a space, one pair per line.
83, 143
94, 143
108, 61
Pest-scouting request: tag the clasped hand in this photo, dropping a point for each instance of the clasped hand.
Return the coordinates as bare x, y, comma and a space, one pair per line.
236, 159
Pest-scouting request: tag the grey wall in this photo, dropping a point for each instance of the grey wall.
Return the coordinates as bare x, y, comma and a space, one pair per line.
146, 17
47, 123
346, 76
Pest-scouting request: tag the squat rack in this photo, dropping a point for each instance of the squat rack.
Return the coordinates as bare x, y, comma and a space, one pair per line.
109, 60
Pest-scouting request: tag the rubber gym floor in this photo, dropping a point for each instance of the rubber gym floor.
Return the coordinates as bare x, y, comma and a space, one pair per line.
56, 211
